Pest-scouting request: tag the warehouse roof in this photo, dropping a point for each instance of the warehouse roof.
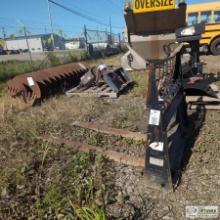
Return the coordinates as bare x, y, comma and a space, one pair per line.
29, 37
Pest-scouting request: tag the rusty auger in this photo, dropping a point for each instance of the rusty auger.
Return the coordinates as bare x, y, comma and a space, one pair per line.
34, 86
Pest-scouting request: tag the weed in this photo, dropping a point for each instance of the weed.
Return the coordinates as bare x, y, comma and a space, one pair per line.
95, 213
72, 57
43, 181
10, 69
140, 86
53, 198
53, 59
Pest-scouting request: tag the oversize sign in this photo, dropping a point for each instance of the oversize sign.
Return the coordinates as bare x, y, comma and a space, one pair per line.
140, 6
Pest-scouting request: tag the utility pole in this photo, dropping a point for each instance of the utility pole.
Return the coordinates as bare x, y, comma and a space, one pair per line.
27, 42
119, 38
110, 24
51, 23
86, 39
110, 27
4, 37
26, 38
3, 33
106, 33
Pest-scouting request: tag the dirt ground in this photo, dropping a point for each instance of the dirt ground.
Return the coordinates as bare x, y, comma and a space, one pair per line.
39, 180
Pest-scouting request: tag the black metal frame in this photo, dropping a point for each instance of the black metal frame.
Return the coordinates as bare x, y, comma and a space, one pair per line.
167, 114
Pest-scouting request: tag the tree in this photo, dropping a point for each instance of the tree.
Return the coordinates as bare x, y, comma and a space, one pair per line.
2, 43
12, 36
23, 30
62, 33
47, 43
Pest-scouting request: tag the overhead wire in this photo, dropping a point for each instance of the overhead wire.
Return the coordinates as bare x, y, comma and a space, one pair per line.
115, 3
87, 17
43, 26
71, 3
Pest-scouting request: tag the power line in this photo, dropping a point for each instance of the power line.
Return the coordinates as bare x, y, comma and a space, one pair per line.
70, 3
38, 23
78, 13
115, 3
15, 30
89, 18
17, 26
56, 26
25, 20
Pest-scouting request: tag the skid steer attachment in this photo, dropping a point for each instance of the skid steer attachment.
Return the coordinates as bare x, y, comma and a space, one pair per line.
157, 37
167, 124
36, 86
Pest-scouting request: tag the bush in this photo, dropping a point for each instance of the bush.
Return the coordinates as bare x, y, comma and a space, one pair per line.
9, 69
53, 59
72, 57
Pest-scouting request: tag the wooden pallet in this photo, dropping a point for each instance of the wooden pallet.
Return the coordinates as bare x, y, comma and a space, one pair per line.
102, 90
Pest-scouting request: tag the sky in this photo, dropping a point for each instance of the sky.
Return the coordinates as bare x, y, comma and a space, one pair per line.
34, 15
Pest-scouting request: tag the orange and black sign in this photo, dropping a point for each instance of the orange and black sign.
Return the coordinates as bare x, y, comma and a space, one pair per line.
140, 6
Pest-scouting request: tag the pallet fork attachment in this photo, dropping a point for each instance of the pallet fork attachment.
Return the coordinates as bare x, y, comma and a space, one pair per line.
167, 124
154, 41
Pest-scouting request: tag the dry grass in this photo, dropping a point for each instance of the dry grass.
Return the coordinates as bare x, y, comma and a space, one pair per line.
30, 167
41, 181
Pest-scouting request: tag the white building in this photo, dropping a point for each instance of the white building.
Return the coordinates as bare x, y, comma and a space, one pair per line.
72, 45
75, 43
37, 43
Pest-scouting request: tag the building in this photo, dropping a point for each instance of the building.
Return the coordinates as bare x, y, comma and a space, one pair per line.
37, 43
75, 43
1, 45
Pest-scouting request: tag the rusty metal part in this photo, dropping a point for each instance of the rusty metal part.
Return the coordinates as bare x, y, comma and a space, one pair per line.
137, 136
110, 154
41, 84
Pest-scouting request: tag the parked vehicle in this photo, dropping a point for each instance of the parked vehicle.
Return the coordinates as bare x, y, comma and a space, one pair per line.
210, 14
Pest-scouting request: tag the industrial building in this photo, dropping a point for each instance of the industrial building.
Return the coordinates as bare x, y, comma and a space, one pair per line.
1, 45
36, 43
75, 43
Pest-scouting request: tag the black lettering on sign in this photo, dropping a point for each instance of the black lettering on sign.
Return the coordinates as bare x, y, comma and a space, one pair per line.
152, 3
157, 3
147, 4
163, 2
170, 2
137, 4
142, 3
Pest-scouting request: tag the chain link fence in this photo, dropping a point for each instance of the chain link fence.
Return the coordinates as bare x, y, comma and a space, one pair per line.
101, 42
